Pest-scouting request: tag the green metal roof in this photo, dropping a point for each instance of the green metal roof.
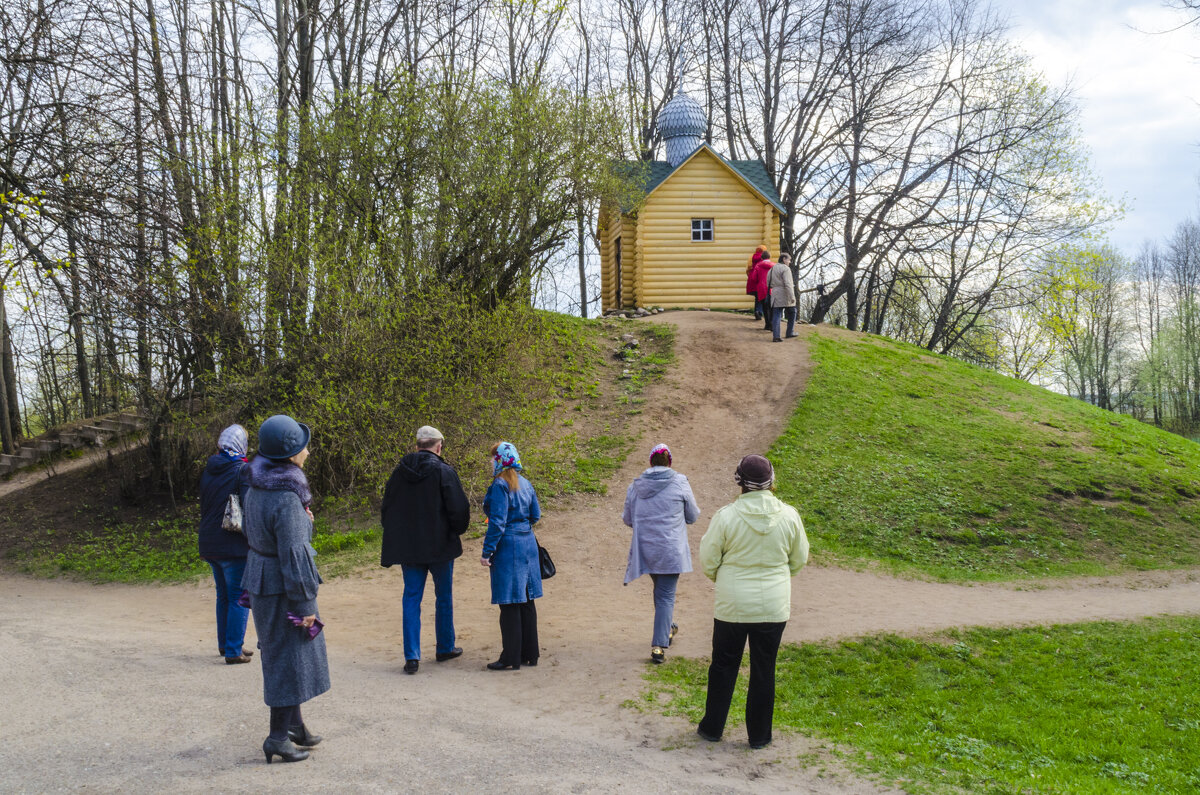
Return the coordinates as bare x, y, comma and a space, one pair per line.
753, 171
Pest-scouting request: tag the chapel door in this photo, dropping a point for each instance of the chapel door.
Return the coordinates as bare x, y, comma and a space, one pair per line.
617, 260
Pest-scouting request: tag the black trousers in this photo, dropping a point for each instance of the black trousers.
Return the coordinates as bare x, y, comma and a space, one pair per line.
729, 642
518, 633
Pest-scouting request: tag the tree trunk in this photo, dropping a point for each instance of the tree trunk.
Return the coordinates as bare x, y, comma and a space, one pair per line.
6, 432
580, 238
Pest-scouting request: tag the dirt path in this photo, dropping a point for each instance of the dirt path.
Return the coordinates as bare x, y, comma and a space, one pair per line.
120, 687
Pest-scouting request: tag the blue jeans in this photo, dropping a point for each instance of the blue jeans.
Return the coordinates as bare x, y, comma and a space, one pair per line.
231, 617
664, 607
790, 311
414, 590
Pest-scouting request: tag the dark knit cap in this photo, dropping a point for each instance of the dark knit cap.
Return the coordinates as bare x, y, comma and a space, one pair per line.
754, 473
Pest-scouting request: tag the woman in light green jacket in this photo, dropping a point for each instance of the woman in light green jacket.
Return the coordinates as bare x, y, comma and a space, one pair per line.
753, 548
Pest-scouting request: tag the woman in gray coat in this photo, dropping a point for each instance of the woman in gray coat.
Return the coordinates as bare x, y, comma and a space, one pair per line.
281, 579
659, 506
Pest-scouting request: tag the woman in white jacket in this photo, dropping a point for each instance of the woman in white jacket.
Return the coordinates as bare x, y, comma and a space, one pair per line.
659, 506
753, 548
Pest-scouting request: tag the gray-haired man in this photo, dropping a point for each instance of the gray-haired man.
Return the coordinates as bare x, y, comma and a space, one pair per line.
424, 513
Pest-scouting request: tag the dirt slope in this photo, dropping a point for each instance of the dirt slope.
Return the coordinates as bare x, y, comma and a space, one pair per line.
120, 687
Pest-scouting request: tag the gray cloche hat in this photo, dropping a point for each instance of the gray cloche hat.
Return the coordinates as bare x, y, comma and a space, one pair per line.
281, 437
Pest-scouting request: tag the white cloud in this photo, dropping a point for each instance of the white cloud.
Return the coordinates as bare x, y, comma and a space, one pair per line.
1138, 89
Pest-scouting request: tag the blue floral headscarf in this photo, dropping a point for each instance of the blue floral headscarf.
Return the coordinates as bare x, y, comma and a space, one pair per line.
506, 457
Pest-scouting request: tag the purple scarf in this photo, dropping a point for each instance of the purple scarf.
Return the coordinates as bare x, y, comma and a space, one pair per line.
280, 476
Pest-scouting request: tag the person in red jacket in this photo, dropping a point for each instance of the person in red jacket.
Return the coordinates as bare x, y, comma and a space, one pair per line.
750, 290
759, 277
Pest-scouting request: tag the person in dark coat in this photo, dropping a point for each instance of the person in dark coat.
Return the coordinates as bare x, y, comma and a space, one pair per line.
510, 551
225, 551
281, 579
424, 514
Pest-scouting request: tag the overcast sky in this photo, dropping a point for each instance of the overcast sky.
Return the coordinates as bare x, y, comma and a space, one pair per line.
1140, 100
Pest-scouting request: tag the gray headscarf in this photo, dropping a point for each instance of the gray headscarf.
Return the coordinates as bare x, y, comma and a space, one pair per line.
235, 441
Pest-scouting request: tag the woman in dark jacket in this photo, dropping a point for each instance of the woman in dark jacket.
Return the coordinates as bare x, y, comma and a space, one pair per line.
281, 578
511, 552
223, 550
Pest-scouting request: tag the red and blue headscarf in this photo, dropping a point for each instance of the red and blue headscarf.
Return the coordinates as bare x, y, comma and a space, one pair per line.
506, 457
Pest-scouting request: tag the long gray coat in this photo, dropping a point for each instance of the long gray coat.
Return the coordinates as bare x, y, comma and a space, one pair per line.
658, 506
281, 576
781, 285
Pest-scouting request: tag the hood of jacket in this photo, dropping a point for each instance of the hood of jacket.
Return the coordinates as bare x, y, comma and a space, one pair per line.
220, 464
652, 481
417, 466
762, 510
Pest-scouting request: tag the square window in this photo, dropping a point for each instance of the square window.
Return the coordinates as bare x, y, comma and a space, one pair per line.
702, 230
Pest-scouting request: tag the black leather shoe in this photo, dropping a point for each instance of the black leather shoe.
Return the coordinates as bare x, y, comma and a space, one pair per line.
442, 656
502, 666
760, 746
530, 663
303, 737
674, 632
706, 736
411, 666
284, 749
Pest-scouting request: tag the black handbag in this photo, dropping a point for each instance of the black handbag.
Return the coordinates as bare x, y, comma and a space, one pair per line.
546, 564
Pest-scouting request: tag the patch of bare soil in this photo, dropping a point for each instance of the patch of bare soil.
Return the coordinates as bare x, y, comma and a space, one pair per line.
132, 672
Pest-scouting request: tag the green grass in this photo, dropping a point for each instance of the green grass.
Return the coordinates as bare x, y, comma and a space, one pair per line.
164, 550
927, 463
1087, 708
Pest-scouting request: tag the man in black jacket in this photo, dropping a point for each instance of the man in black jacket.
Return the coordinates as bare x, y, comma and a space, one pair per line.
425, 511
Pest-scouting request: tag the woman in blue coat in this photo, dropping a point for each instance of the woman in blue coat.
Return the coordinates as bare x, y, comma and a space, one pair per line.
281, 578
225, 551
510, 551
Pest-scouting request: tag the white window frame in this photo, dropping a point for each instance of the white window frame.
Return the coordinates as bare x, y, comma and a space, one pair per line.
698, 230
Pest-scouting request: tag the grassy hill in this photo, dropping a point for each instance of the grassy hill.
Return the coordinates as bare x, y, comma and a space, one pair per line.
925, 463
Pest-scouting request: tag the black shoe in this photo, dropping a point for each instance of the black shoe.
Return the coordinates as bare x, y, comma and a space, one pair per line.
760, 746
442, 656
657, 655
789, 336
302, 737
530, 663
706, 736
500, 665
674, 632
776, 339
411, 666
284, 749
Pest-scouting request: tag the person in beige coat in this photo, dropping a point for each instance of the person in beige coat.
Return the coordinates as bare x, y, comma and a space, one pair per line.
753, 548
783, 296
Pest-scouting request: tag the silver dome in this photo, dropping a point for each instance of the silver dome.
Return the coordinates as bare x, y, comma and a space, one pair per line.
682, 125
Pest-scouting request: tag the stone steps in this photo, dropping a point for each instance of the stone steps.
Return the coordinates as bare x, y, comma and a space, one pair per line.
96, 434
